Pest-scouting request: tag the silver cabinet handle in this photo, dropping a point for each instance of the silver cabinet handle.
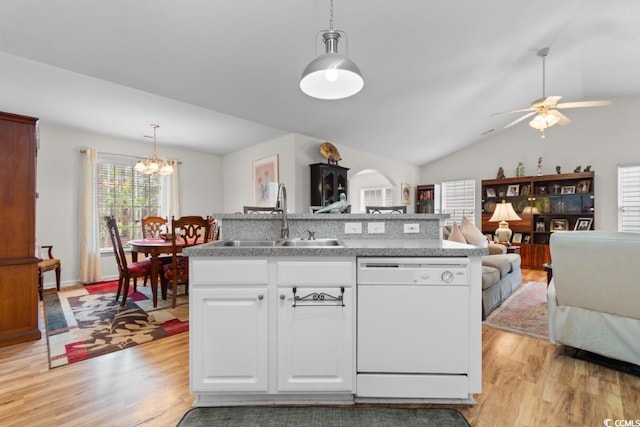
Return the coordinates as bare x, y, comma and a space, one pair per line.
260, 297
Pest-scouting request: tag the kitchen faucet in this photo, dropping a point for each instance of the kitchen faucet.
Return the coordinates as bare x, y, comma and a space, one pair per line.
281, 204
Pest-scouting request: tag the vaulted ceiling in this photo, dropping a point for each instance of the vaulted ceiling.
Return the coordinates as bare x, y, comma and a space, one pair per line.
222, 75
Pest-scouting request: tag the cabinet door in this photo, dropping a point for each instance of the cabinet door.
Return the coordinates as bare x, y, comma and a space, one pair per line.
229, 346
315, 341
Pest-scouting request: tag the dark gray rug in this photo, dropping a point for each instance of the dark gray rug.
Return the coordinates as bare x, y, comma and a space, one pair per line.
319, 416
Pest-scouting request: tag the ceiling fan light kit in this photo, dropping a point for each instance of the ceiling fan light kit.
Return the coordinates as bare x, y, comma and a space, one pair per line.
545, 110
331, 75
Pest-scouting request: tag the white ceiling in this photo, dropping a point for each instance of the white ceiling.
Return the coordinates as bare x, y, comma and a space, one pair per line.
221, 75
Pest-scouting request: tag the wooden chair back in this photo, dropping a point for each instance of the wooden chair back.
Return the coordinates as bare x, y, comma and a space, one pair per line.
153, 226
261, 210
116, 242
386, 209
185, 231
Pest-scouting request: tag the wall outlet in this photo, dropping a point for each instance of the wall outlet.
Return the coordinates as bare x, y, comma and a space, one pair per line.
352, 228
411, 228
375, 227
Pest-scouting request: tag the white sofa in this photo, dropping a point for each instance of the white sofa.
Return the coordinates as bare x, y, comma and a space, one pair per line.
593, 300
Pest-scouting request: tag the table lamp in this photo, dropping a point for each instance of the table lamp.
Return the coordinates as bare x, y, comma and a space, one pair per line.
504, 212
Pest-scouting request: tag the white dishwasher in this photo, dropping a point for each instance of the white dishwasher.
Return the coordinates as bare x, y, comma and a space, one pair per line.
413, 327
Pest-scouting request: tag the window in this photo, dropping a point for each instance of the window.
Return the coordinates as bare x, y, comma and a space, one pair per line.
459, 200
629, 198
128, 195
375, 197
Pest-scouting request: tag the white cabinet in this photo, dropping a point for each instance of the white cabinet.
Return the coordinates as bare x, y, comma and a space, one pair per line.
316, 326
229, 319
248, 341
233, 345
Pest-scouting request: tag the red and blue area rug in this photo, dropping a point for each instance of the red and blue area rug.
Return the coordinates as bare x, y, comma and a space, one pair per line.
86, 321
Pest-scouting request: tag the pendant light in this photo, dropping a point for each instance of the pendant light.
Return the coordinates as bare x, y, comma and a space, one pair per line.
331, 75
154, 164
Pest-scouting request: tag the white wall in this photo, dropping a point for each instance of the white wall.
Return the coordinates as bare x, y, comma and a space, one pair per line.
602, 137
59, 169
296, 153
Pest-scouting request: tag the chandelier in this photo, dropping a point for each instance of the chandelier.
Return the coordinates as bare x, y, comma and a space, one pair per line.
154, 164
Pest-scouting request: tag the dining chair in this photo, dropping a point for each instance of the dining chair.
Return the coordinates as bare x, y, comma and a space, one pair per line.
153, 227
260, 210
185, 231
47, 264
386, 209
126, 270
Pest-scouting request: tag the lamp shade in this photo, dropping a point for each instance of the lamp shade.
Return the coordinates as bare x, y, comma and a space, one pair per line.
331, 75
543, 121
504, 212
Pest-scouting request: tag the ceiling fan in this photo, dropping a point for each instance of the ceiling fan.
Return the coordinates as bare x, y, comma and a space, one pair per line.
546, 108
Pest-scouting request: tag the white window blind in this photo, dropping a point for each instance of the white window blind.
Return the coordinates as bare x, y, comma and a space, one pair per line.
458, 200
375, 197
629, 198
127, 195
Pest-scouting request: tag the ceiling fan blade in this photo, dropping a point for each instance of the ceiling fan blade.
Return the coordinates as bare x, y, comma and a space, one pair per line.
579, 104
564, 120
516, 121
513, 111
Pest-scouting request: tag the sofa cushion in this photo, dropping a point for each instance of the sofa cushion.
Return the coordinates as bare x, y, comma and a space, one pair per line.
473, 235
456, 235
505, 264
490, 276
497, 249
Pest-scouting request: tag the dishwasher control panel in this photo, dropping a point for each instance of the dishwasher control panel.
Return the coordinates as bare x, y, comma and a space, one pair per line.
413, 271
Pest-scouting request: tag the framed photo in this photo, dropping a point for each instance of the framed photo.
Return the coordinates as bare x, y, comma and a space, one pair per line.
265, 181
583, 186
540, 225
527, 239
543, 189
583, 224
405, 193
491, 192
568, 189
526, 188
513, 190
559, 225
517, 238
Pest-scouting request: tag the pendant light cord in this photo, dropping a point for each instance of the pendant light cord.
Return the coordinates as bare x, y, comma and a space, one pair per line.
331, 16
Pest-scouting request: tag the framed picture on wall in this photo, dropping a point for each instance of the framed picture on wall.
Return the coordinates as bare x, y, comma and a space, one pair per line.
265, 181
405, 193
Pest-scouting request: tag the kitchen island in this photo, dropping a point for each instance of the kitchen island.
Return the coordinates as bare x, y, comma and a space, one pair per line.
317, 325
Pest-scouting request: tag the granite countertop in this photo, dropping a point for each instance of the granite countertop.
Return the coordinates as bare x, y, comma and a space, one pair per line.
351, 247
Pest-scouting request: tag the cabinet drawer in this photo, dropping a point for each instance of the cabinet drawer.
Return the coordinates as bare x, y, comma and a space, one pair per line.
212, 272
316, 273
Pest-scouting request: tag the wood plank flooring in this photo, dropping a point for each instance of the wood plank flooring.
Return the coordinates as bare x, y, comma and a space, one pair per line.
526, 382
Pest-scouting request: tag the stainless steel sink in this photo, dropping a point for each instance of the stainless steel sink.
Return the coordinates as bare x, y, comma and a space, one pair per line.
319, 243
289, 243
246, 243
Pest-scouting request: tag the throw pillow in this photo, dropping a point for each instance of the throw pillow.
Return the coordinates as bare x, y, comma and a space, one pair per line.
473, 235
456, 235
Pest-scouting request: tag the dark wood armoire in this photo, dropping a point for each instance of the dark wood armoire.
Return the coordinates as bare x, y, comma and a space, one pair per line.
18, 264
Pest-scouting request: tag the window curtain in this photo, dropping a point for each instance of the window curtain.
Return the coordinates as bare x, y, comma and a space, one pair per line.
174, 192
90, 270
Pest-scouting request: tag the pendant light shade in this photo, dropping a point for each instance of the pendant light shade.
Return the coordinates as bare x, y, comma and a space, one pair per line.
331, 75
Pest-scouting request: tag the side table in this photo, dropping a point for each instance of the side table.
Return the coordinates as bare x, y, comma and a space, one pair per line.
548, 267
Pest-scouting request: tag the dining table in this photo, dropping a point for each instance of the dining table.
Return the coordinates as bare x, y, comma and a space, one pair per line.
153, 248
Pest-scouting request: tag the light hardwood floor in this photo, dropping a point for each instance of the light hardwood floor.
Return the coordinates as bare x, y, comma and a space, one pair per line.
526, 382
